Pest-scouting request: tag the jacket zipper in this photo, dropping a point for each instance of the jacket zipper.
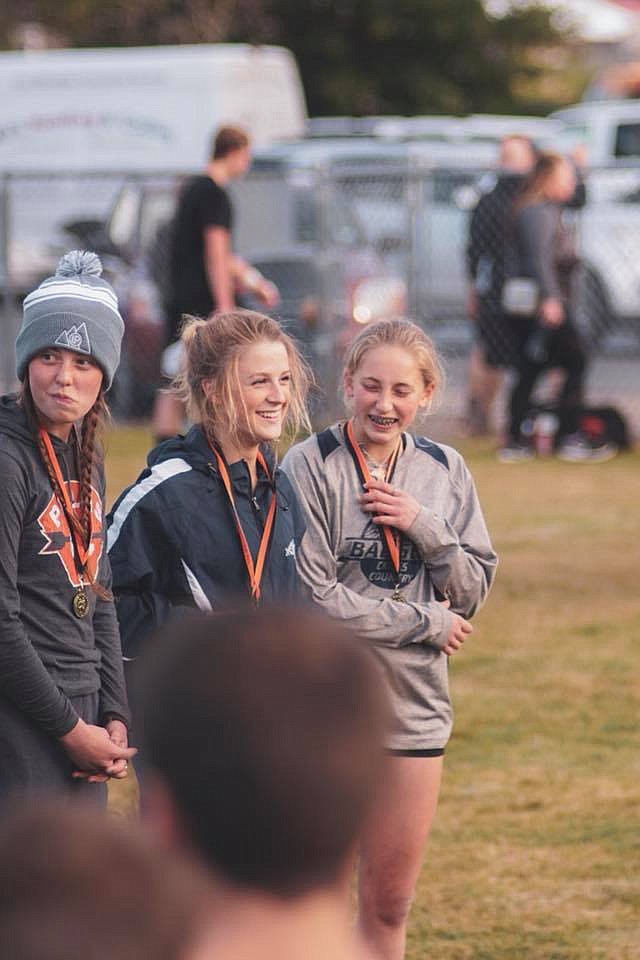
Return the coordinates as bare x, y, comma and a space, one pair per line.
253, 500
257, 514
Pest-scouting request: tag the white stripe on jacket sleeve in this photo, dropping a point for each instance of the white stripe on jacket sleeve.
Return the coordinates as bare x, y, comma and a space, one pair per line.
160, 473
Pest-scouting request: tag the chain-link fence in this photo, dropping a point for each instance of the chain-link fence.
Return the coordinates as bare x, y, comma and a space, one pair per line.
345, 243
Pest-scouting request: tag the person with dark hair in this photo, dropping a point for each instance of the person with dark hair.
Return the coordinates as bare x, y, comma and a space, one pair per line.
204, 273
77, 885
489, 247
547, 337
63, 706
264, 735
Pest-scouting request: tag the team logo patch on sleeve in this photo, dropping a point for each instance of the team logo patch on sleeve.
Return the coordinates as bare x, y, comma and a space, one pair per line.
74, 338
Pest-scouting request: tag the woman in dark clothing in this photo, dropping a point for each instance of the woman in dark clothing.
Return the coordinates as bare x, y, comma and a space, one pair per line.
546, 254
213, 523
63, 707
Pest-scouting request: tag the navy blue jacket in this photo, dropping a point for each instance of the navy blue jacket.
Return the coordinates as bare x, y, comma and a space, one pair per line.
173, 543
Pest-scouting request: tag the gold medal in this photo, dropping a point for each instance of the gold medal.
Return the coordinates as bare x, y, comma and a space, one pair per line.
80, 603
397, 595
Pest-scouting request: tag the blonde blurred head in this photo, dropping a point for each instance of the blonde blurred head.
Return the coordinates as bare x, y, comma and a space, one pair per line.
552, 179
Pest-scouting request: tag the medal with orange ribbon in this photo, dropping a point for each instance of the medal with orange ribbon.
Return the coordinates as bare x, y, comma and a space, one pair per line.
254, 570
80, 552
391, 537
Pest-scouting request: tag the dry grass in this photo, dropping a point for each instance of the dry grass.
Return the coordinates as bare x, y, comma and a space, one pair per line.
536, 850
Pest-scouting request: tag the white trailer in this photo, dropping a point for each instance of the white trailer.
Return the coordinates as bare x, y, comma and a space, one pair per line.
142, 108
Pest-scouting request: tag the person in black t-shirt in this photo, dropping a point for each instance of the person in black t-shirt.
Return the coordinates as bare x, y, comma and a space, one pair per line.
203, 219
204, 273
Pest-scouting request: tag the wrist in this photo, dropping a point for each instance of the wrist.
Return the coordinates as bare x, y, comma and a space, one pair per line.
110, 717
252, 279
71, 735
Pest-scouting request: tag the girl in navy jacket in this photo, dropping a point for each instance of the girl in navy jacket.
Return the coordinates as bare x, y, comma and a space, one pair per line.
213, 522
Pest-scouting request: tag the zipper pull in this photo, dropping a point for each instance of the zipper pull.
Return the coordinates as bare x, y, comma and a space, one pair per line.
256, 505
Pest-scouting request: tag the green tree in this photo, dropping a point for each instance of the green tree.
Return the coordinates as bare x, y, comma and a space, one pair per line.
126, 23
414, 56
356, 56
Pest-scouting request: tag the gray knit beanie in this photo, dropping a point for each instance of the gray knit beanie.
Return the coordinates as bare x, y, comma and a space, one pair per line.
74, 310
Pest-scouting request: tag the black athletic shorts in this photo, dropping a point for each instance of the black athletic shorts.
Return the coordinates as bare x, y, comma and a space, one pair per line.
495, 334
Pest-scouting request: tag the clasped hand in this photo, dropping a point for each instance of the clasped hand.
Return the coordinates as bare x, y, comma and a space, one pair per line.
99, 753
389, 504
399, 509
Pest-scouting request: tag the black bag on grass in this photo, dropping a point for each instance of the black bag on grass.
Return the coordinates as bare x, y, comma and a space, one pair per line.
605, 425
598, 425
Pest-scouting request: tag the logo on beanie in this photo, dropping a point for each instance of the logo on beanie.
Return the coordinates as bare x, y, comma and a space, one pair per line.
74, 338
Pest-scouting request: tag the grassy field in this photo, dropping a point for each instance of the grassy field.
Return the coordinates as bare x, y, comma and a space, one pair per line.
536, 850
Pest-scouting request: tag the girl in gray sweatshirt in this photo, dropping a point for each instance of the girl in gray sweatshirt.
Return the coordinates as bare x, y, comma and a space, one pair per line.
396, 546
63, 706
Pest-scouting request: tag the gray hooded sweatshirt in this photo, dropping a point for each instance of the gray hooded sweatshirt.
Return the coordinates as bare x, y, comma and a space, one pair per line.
446, 554
48, 656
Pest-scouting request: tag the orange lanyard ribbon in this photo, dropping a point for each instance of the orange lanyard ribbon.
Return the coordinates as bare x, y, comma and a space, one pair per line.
80, 551
256, 570
391, 536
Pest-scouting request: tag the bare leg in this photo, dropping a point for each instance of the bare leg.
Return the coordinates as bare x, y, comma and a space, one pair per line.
168, 415
475, 375
392, 851
476, 389
494, 378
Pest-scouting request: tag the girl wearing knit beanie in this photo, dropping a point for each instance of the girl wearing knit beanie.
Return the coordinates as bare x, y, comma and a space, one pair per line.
63, 707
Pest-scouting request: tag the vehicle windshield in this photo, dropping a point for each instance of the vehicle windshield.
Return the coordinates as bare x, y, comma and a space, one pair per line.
627, 140
277, 213
139, 212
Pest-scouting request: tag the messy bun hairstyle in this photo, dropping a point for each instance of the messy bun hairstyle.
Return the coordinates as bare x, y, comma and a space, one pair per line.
212, 348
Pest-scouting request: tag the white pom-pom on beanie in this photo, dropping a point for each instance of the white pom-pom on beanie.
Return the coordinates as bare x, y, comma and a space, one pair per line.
74, 310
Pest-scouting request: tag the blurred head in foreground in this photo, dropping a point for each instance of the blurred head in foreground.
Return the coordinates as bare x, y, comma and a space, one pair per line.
264, 731
77, 885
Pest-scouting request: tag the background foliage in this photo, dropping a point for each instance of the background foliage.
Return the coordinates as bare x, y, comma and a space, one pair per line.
356, 56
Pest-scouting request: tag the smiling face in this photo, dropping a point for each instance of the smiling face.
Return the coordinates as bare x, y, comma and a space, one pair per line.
262, 393
386, 390
64, 386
